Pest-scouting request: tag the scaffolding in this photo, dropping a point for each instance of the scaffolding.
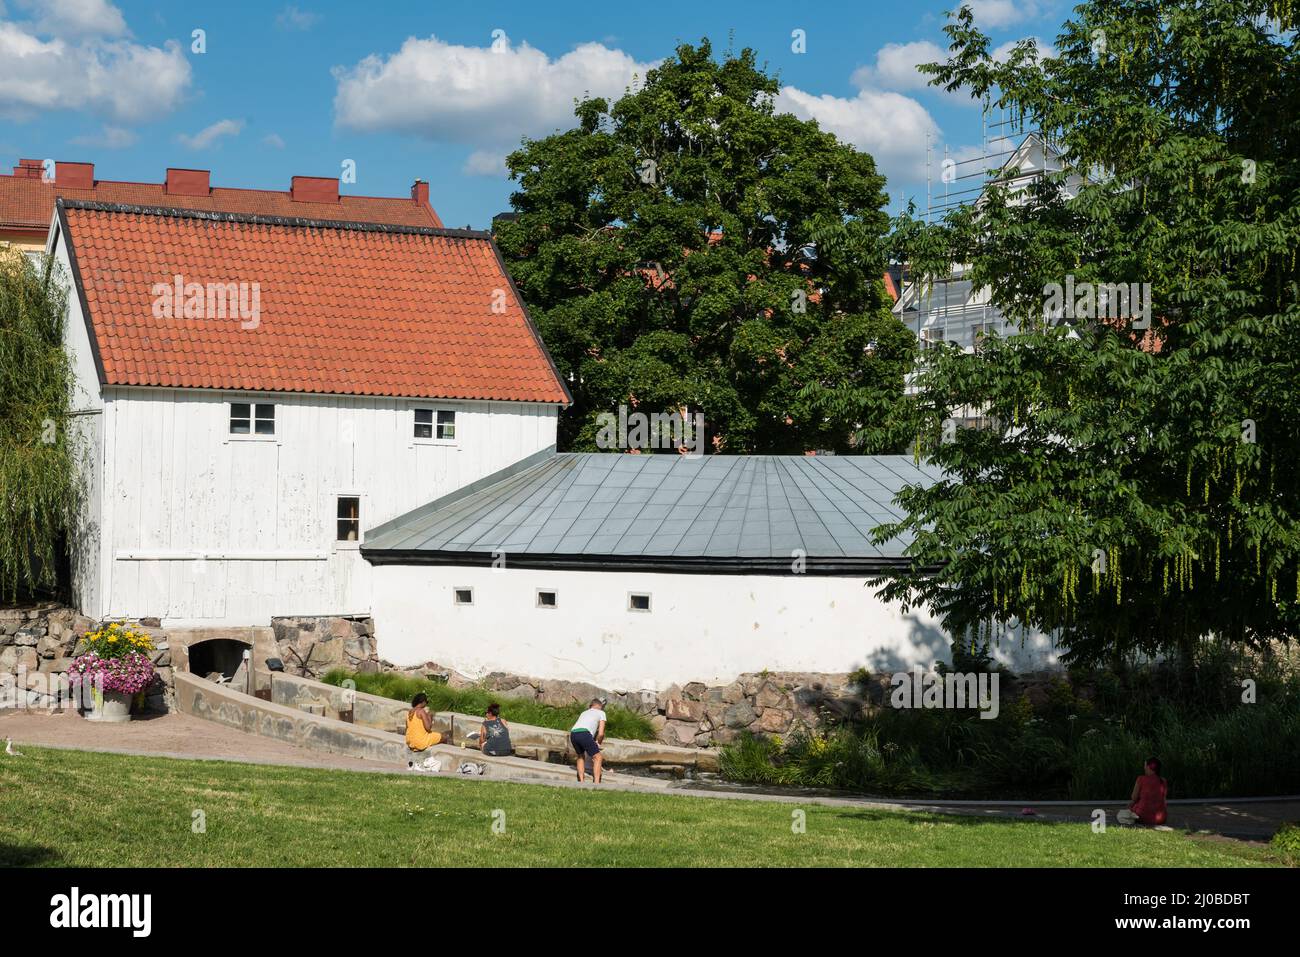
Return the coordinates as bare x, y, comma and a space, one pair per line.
946, 309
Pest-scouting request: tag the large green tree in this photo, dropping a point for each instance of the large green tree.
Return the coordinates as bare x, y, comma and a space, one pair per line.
668, 247
38, 478
1138, 490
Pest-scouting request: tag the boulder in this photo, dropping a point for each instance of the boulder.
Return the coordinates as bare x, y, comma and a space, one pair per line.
29, 635
773, 721
16, 656
694, 690
733, 692
678, 733
679, 709
770, 696
49, 647
739, 715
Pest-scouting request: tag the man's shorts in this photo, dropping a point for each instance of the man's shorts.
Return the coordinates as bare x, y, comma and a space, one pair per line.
584, 743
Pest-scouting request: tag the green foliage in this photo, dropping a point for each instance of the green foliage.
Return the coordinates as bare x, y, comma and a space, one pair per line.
619, 722
1087, 739
38, 476
689, 248
1135, 492
1287, 842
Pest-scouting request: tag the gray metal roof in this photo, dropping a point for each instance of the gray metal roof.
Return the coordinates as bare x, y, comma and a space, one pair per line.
713, 513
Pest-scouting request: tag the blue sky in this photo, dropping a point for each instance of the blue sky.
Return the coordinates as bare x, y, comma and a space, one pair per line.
419, 90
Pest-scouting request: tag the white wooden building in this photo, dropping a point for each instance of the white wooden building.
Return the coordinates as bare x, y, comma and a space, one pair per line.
233, 461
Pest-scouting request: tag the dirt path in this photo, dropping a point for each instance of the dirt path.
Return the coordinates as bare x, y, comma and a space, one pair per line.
184, 736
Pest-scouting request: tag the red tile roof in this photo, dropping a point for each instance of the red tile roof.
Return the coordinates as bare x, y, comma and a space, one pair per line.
345, 308
27, 200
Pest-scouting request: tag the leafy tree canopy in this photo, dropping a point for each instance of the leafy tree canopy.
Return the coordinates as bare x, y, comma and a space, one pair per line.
1138, 489
690, 248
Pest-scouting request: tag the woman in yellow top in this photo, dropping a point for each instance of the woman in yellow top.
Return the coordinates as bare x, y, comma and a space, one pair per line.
419, 725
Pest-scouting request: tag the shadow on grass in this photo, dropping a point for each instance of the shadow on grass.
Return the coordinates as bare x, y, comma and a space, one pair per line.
22, 855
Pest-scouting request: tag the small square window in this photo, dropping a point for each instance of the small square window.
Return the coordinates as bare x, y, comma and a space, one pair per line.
424, 423
638, 601
240, 418
464, 596
349, 518
446, 424
547, 598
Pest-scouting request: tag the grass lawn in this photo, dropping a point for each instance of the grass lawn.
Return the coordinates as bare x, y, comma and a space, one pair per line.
72, 808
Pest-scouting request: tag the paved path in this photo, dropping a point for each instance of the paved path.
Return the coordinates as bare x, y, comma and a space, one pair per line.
184, 736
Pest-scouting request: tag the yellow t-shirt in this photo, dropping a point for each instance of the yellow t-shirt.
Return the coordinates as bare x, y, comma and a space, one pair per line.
417, 739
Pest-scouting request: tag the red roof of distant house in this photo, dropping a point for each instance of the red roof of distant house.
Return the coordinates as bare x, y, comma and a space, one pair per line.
346, 309
27, 198
890, 287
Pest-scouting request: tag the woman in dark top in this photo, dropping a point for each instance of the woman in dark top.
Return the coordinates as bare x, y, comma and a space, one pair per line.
494, 735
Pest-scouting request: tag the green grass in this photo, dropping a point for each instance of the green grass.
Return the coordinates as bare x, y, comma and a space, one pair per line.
71, 808
619, 722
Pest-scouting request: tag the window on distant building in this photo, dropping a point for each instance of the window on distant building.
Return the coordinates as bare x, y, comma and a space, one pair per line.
932, 337
464, 596
638, 601
349, 518
548, 598
435, 424
252, 418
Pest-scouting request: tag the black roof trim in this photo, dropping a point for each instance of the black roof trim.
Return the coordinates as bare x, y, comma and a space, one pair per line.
702, 565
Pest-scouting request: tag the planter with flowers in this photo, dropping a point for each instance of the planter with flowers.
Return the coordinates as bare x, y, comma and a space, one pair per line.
112, 669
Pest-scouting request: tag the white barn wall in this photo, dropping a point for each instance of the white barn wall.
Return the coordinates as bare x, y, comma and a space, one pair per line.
204, 527
700, 627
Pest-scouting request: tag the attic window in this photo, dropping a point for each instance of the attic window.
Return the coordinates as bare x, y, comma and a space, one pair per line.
638, 601
548, 598
463, 596
439, 424
249, 418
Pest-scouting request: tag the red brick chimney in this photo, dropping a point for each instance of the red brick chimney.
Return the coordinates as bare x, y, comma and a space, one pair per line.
187, 182
420, 192
74, 175
315, 189
29, 168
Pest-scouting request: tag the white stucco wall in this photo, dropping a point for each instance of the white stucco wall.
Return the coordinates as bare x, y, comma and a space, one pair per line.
700, 627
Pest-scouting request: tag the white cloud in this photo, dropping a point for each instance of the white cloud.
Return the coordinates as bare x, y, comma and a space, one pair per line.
485, 163
209, 135
110, 137
896, 65
116, 79
76, 18
889, 126
1002, 13
478, 95
273, 140
291, 18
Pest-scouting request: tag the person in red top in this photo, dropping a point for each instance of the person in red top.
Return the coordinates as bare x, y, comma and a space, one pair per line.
1147, 803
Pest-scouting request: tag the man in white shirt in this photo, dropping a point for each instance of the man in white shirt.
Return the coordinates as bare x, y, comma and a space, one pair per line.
586, 735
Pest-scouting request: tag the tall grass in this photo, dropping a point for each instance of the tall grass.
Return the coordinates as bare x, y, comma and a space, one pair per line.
619, 722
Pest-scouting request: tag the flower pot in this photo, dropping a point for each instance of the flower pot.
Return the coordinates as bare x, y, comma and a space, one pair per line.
111, 706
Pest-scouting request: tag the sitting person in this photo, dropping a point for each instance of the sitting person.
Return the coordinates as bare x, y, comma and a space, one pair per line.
420, 735
494, 735
1147, 803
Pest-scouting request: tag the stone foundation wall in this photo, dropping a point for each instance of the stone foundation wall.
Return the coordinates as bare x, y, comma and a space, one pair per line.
43, 639
700, 715
311, 647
